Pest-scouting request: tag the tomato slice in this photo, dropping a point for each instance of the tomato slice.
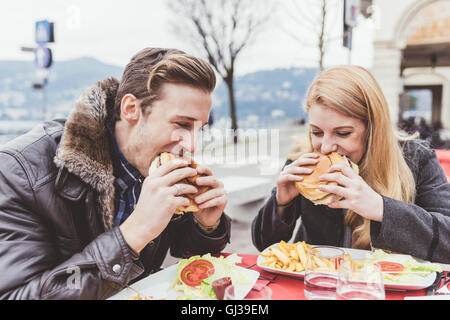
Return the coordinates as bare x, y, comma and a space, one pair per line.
387, 266
196, 271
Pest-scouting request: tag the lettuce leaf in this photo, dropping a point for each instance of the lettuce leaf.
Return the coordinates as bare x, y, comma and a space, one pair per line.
223, 267
409, 263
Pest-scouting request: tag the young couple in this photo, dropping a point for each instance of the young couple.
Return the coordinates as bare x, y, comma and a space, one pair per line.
79, 192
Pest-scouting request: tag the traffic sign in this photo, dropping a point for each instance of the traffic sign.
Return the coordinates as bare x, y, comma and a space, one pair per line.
43, 57
44, 32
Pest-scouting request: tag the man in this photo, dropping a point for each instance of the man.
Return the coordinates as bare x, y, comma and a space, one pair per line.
81, 216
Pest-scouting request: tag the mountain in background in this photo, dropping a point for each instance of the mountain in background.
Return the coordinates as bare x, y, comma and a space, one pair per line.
261, 97
267, 96
67, 80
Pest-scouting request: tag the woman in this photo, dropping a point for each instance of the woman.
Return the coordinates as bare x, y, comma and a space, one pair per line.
400, 201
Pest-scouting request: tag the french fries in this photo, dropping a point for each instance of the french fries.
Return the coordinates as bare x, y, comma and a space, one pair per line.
285, 256
293, 257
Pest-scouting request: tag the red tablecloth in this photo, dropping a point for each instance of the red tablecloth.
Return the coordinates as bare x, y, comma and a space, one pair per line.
444, 160
288, 288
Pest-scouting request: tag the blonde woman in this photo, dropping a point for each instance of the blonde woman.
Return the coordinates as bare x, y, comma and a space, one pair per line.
400, 201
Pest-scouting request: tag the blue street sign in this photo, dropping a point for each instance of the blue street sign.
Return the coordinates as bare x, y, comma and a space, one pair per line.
43, 57
44, 32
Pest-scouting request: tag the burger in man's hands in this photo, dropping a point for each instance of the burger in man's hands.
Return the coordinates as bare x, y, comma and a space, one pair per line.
192, 207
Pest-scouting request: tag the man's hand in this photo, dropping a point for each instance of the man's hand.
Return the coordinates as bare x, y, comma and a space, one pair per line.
158, 201
211, 203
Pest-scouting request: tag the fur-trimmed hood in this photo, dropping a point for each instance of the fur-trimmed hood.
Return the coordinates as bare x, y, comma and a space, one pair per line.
84, 149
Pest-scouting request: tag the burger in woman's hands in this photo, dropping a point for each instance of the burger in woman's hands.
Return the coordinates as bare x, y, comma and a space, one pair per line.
308, 186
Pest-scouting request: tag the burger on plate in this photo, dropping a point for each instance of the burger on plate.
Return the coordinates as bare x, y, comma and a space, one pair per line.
308, 186
192, 207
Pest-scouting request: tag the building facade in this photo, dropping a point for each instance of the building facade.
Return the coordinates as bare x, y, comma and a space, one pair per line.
412, 58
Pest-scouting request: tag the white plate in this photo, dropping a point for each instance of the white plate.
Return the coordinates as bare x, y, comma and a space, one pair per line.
354, 254
157, 285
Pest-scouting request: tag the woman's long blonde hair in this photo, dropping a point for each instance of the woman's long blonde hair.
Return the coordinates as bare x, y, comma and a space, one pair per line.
354, 92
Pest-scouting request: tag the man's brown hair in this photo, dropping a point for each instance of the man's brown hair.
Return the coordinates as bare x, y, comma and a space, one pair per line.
150, 68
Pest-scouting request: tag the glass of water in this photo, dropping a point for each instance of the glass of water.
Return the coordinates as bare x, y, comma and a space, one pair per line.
360, 280
321, 272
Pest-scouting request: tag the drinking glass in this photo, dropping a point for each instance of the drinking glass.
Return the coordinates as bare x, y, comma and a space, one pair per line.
360, 280
321, 269
258, 292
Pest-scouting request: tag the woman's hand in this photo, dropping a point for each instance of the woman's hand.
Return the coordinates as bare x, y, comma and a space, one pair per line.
212, 202
286, 190
358, 195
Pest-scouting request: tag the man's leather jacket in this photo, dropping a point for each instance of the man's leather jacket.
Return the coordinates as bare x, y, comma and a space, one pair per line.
57, 239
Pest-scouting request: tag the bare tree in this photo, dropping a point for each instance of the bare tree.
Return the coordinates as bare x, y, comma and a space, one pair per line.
316, 17
220, 29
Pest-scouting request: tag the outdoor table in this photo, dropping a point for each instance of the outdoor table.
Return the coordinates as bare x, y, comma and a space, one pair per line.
290, 288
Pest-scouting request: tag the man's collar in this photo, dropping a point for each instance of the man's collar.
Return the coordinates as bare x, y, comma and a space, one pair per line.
123, 169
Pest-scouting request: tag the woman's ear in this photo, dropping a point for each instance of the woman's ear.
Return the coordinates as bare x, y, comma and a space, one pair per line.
129, 108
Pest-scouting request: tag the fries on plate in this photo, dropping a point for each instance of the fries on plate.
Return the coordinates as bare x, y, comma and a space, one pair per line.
292, 257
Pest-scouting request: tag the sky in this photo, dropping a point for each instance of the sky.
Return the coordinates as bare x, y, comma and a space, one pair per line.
113, 31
